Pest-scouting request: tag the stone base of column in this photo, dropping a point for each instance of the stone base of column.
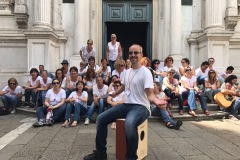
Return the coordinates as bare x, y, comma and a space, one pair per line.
45, 47
216, 45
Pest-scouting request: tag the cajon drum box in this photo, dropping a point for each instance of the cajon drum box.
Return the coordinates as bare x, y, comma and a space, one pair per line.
121, 141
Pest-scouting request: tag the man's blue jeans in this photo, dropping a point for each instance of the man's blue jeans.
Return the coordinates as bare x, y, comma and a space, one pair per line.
28, 93
200, 80
164, 114
11, 101
101, 103
190, 96
134, 115
77, 108
235, 108
57, 113
171, 95
42, 96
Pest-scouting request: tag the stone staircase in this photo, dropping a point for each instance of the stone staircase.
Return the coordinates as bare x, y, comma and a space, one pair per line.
215, 113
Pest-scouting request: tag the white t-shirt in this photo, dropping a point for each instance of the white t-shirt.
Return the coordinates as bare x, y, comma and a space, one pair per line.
55, 98
17, 90
118, 97
91, 83
113, 51
137, 80
165, 69
200, 73
104, 73
83, 95
86, 54
63, 84
96, 68
121, 75
100, 92
175, 82
82, 72
206, 79
49, 81
33, 83
189, 82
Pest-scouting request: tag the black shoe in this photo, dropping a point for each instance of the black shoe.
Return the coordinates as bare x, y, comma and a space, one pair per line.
96, 156
25, 104
178, 124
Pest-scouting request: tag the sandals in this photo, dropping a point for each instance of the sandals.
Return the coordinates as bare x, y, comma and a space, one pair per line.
65, 124
181, 112
192, 113
74, 124
169, 125
206, 112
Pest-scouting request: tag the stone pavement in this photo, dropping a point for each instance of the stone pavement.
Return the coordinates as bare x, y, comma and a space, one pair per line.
196, 140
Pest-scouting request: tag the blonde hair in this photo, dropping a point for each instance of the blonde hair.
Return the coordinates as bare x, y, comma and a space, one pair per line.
118, 63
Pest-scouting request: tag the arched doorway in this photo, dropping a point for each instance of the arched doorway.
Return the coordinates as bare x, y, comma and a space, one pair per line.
132, 23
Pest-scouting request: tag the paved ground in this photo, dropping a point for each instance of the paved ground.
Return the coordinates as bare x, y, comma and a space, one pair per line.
203, 140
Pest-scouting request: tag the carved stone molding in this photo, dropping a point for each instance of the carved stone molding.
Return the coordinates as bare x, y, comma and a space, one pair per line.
231, 22
6, 7
21, 14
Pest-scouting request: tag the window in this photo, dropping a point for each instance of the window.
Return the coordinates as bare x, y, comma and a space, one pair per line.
187, 2
68, 1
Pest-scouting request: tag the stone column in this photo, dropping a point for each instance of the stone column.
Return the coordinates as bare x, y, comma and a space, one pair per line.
82, 24
42, 13
175, 41
213, 15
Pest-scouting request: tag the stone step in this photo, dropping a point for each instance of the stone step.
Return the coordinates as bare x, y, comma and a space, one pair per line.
176, 116
211, 107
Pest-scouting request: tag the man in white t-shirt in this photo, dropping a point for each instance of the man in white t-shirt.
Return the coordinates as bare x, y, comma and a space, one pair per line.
201, 72
135, 109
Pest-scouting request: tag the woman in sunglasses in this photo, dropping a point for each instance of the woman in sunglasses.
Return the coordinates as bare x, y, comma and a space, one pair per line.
54, 103
77, 101
168, 63
212, 85
87, 51
171, 89
11, 96
120, 70
114, 101
190, 90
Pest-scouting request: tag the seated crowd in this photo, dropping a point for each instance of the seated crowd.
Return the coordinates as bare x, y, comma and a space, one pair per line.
84, 90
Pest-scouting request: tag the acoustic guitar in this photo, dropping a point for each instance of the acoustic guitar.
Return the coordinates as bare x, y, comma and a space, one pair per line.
224, 101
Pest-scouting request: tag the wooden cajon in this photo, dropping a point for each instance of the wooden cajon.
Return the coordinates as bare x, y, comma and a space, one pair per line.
121, 142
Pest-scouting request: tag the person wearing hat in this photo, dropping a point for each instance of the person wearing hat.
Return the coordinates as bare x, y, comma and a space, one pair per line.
113, 51
65, 68
87, 51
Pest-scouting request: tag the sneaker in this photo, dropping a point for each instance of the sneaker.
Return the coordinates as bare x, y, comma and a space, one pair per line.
96, 156
49, 122
178, 124
234, 118
13, 111
87, 121
40, 123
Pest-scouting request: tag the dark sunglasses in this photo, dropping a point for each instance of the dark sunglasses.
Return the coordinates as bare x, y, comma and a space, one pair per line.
211, 61
116, 85
89, 43
171, 72
121, 65
188, 70
211, 72
12, 83
133, 52
55, 83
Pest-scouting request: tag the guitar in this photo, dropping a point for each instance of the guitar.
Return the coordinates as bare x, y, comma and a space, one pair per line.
224, 101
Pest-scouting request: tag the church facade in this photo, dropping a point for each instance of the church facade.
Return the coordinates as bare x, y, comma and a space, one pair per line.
34, 32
